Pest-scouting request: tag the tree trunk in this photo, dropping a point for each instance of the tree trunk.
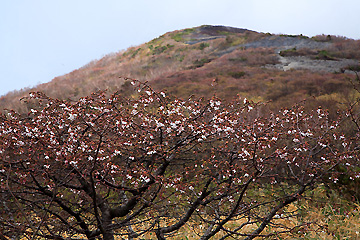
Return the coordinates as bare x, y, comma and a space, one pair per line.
107, 230
108, 235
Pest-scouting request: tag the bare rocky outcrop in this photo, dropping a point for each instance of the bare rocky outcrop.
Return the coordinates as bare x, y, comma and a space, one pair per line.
280, 43
303, 62
284, 42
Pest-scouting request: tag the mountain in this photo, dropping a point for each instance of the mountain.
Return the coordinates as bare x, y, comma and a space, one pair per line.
219, 60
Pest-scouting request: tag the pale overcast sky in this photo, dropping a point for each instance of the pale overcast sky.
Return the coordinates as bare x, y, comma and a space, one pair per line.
42, 39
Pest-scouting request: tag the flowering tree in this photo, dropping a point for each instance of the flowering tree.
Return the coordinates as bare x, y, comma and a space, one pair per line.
104, 167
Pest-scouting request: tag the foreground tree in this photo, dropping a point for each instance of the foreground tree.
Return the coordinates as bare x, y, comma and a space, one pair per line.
104, 167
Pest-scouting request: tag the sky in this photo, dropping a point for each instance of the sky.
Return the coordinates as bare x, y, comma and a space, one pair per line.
43, 39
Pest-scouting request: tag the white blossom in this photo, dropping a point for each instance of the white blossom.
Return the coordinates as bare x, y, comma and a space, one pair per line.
145, 178
151, 152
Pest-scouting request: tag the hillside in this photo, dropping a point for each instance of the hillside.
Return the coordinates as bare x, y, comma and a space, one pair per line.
259, 66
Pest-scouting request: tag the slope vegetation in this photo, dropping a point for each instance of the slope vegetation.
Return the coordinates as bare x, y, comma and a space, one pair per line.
219, 60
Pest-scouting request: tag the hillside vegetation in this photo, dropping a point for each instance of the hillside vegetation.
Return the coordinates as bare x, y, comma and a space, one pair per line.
214, 59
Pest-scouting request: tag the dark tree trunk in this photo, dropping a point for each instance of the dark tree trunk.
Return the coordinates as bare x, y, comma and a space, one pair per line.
107, 230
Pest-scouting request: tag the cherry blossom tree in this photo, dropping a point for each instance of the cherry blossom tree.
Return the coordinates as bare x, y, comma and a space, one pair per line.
105, 167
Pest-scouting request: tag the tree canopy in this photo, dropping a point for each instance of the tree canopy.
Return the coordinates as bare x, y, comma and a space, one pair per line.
106, 167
